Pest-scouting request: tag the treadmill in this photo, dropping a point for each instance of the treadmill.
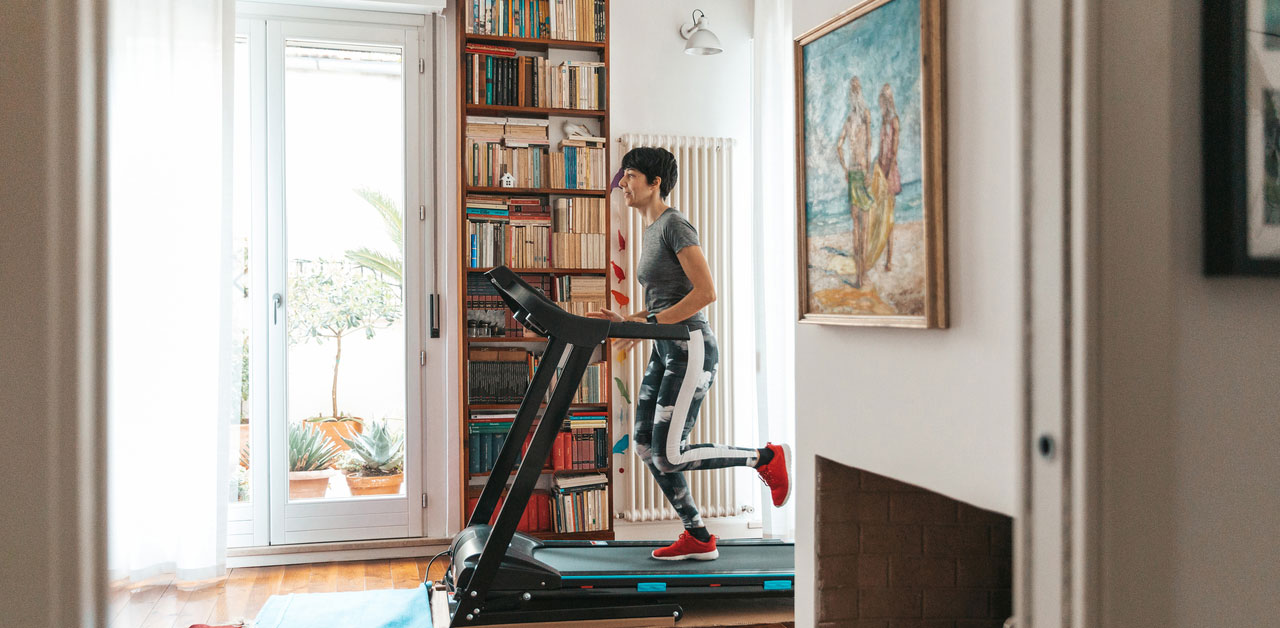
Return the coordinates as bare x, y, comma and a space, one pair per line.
498, 576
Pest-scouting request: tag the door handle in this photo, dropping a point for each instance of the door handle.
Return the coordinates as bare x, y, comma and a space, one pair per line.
277, 300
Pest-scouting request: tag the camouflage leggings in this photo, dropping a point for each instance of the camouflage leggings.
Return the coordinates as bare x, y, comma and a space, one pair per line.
669, 399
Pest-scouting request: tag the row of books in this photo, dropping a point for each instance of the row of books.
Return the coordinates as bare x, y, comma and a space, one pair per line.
581, 503
582, 444
513, 132
511, 231
579, 215
497, 375
578, 288
485, 437
497, 76
532, 236
576, 20
592, 387
571, 168
537, 516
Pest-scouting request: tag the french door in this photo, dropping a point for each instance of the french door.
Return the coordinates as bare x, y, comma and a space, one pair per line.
328, 137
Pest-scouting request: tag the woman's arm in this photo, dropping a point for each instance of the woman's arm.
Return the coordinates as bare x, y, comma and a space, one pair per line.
703, 294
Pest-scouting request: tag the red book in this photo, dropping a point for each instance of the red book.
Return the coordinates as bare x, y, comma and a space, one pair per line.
497, 51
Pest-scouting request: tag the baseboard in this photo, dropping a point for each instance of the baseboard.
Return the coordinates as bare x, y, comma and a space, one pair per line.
304, 553
737, 527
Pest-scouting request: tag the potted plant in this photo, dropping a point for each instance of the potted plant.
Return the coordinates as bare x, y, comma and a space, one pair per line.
375, 463
329, 300
338, 428
310, 455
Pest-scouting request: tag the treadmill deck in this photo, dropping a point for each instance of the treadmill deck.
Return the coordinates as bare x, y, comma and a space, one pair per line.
602, 561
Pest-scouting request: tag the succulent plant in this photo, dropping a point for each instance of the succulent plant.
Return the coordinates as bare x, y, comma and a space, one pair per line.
310, 449
376, 451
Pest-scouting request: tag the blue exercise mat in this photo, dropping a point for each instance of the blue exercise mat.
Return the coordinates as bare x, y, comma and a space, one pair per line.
387, 608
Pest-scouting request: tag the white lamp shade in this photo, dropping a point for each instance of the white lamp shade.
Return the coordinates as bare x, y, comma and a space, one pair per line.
703, 42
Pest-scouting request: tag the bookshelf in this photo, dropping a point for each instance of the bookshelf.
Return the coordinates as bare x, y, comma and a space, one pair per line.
527, 69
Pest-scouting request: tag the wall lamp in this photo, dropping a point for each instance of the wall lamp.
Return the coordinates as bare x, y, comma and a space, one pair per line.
701, 40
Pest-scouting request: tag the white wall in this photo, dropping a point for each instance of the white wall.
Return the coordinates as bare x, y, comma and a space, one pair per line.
656, 88
938, 409
1191, 397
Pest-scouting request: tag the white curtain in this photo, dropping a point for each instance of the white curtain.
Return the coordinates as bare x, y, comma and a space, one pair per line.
775, 224
171, 375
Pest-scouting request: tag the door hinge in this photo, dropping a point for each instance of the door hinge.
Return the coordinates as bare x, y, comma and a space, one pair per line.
422, 358
424, 500
422, 66
422, 212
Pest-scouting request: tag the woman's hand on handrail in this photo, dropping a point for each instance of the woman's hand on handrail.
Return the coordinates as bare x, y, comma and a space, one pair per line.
619, 344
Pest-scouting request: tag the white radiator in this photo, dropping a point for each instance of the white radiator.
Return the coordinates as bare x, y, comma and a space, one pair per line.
703, 192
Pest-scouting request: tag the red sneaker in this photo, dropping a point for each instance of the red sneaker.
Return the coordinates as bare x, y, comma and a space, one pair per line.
777, 474
686, 547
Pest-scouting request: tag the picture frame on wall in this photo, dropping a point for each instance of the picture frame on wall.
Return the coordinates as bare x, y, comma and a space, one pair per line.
1240, 97
870, 167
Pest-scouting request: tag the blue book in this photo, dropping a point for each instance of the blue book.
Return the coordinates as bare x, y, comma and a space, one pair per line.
488, 212
474, 250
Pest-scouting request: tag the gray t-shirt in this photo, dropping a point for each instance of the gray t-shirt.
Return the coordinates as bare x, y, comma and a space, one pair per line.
664, 281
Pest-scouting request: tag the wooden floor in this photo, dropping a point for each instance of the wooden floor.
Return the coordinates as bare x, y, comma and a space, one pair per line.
240, 595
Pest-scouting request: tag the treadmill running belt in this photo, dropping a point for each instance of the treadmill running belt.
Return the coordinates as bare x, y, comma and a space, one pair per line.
632, 560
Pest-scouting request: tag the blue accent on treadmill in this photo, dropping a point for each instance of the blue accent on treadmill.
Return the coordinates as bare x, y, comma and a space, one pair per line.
698, 575
777, 585
651, 586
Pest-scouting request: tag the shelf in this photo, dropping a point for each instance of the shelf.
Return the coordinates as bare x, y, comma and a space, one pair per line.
546, 271
473, 189
533, 45
486, 340
603, 535
508, 110
548, 471
516, 406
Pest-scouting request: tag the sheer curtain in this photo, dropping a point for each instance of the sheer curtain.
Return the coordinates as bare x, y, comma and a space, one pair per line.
775, 274
171, 381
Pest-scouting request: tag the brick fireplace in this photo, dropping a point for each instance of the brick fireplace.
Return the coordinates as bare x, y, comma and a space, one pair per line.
893, 555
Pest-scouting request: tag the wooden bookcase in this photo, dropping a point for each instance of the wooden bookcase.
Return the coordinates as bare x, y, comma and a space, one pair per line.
592, 118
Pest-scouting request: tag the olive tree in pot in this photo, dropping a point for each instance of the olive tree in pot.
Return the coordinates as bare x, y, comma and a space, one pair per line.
329, 300
310, 455
375, 464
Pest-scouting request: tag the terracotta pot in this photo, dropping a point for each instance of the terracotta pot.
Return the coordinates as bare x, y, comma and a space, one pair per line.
375, 485
335, 430
308, 484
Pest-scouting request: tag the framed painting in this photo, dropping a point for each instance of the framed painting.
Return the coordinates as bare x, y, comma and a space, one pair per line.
870, 178
1240, 96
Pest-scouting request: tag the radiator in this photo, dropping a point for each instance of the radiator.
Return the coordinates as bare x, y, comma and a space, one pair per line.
703, 192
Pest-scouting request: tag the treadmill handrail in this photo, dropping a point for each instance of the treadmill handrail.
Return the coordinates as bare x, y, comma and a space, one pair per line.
541, 315
648, 331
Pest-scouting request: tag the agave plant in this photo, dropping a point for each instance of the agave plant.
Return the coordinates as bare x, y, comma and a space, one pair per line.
376, 451
310, 449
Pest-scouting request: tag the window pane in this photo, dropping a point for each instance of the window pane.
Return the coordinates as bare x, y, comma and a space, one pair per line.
242, 212
344, 199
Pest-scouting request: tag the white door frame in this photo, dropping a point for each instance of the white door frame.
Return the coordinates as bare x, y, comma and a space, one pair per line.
1056, 581
368, 517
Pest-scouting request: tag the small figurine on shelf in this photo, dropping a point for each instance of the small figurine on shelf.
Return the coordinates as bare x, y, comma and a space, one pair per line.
508, 181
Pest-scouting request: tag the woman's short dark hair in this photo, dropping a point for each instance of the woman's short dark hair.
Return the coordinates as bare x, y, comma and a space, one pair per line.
653, 162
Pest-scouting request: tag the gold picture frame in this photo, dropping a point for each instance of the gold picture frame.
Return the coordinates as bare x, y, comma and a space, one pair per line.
856, 197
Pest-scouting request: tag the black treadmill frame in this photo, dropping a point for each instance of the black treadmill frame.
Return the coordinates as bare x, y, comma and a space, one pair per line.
573, 340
